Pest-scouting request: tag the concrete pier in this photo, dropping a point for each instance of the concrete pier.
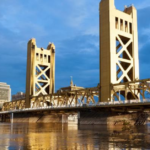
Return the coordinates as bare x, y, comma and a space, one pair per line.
81, 117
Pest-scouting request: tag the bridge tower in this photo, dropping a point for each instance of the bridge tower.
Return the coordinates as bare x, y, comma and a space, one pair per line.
119, 60
40, 77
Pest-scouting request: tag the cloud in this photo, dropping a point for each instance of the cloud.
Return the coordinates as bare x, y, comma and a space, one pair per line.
143, 4
76, 21
83, 46
82, 16
143, 27
94, 30
80, 60
144, 37
146, 32
78, 13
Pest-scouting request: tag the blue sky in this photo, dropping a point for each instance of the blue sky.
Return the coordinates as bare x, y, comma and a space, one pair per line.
73, 26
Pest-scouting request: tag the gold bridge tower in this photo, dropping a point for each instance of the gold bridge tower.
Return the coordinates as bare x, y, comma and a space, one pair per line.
40, 78
119, 61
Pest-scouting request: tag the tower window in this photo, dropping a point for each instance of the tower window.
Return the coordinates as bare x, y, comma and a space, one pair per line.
126, 26
37, 56
121, 24
49, 59
130, 28
116, 22
41, 57
45, 58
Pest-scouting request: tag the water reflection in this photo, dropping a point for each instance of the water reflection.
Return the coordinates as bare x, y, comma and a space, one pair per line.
72, 137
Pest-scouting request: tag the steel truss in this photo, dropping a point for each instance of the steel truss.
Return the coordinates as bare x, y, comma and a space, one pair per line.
137, 90
76, 97
18, 104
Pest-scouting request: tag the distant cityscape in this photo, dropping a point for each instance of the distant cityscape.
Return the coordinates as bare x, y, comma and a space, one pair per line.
5, 94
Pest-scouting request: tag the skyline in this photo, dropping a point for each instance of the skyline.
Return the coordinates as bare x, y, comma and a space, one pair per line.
74, 29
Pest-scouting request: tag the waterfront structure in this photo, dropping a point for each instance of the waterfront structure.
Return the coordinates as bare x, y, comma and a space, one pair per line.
70, 88
119, 78
18, 96
40, 78
5, 93
119, 61
119, 66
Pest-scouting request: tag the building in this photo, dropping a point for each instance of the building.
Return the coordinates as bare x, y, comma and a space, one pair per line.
5, 93
70, 88
18, 96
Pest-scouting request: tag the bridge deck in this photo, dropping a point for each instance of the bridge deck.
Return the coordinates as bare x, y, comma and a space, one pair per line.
79, 107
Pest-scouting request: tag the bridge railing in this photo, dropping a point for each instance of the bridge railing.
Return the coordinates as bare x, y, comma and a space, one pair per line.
131, 92
131, 102
139, 89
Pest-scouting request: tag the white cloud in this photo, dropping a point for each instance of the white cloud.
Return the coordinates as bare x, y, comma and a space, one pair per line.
86, 50
77, 14
144, 32
82, 15
143, 4
76, 21
3, 40
93, 30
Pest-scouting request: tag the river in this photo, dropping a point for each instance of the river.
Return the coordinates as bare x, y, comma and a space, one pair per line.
72, 137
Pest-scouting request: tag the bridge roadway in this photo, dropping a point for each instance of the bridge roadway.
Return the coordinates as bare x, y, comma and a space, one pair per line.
117, 104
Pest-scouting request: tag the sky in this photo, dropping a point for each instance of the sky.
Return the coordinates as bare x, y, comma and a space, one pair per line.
73, 26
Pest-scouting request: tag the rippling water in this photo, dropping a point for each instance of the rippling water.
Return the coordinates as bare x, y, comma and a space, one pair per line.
72, 137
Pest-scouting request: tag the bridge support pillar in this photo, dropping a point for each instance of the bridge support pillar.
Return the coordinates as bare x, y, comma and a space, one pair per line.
3, 118
64, 118
73, 118
11, 117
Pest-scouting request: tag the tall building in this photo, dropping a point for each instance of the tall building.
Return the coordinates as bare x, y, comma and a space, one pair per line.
119, 61
40, 78
5, 93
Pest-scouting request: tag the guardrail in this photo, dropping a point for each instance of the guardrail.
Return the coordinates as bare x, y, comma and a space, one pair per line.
132, 102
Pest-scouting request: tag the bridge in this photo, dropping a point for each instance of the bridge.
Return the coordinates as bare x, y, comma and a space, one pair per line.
139, 90
120, 90
128, 106
86, 100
